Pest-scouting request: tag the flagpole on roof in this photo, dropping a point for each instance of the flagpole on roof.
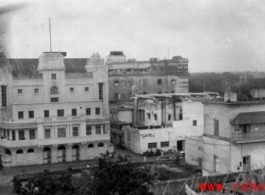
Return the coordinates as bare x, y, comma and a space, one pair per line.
50, 34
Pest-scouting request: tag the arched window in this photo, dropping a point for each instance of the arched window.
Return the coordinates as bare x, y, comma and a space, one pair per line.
30, 150
19, 151
90, 146
7, 151
100, 145
46, 149
54, 90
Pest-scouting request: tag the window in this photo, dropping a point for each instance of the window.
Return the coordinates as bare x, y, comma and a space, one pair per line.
149, 116
164, 144
98, 129
54, 90
60, 113
32, 134
31, 114
3, 90
53, 76
152, 145
155, 115
46, 113
97, 111
169, 117
159, 81
75, 131
72, 89
88, 130
36, 90
54, 99
100, 91
88, 111
19, 91
86, 89
116, 83
159, 92
61, 132
73, 112
20, 115
21, 135
216, 127
194, 122
47, 133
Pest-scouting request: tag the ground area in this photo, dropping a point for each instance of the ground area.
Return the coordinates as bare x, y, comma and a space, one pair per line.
163, 171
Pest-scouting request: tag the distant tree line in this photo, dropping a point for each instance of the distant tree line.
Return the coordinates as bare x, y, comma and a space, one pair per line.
224, 82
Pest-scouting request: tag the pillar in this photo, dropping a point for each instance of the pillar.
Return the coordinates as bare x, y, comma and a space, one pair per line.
13, 158
54, 154
10, 134
83, 151
69, 154
39, 155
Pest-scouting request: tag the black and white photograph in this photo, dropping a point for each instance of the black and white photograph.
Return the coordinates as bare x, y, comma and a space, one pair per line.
132, 97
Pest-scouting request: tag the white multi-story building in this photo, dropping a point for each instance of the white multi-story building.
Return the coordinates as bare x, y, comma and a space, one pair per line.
53, 109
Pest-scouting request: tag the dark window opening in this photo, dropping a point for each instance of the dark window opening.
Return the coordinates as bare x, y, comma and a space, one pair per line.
88, 130
74, 112
88, 111
152, 145
100, 91
164, 144
31, 114
194, 122
46, 114
3, 90
60, 113
75, 131
97, 111
53, 76
20, 115
19, 91
32, 134
54, 99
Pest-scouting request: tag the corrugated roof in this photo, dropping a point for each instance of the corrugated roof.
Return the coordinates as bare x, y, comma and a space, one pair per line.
249, 118
28, 67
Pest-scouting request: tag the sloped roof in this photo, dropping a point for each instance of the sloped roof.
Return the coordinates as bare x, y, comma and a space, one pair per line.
28, 67
249, 118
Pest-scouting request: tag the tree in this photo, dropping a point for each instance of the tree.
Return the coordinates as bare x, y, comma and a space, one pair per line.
46, 184
113, 176
118, 177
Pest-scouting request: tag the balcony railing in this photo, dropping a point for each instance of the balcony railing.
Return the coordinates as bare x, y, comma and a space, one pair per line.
252, 136
18, 143
53, 141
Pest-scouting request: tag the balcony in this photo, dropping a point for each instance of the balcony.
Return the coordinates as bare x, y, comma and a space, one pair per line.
248, 137
53, 141
72, 140
18, 143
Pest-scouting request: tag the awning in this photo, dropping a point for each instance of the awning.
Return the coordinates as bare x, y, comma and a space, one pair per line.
249, 118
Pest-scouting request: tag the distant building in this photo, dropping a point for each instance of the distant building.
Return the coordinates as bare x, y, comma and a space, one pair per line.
129, 77
53, 109
158, 126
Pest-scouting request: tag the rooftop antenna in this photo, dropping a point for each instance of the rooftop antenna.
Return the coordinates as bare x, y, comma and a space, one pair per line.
50, 35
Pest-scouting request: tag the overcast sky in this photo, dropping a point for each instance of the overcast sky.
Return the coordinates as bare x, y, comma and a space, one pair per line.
215, 35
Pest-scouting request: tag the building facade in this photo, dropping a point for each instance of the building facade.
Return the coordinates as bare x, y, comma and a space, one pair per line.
129, 77
166, 134
53, 109
234, 136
